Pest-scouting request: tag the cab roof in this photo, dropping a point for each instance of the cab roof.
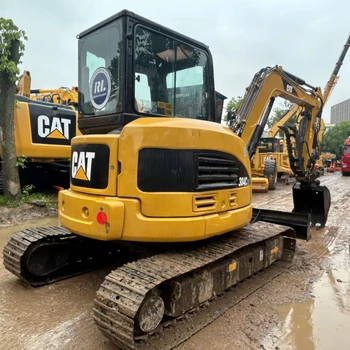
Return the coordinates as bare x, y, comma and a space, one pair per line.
154, 25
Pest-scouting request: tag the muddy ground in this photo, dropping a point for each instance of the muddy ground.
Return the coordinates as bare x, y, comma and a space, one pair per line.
307, 307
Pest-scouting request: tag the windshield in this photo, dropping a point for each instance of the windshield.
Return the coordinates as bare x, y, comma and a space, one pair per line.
99, 70
347, 149
170, 77
268, 145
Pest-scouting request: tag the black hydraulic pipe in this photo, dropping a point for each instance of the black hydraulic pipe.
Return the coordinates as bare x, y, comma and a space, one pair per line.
253, 142
298, 80
341, 58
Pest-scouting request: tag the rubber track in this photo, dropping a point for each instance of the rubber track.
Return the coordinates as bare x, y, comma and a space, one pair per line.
124, 289
20, 241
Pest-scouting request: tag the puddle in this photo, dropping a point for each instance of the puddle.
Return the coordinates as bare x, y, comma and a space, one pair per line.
322, 322
55, 316
7, 232
58, 337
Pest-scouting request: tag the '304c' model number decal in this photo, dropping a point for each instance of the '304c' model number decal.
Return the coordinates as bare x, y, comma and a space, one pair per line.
243, 181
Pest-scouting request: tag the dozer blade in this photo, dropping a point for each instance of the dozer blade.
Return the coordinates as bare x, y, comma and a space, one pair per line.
312, 199
300, 223
260, 184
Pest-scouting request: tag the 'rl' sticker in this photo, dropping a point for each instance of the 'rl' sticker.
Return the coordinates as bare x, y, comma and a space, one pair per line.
100, 88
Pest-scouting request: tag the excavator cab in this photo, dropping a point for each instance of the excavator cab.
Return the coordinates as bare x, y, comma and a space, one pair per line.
130, 68
269, 145
220, 98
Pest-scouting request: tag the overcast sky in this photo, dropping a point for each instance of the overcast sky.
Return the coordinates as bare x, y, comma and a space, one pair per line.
304, 37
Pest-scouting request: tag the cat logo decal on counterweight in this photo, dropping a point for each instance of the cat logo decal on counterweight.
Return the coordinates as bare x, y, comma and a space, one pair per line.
52, 124
53, 128
82, 165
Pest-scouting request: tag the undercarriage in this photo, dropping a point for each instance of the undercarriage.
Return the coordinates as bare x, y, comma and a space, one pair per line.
157, 288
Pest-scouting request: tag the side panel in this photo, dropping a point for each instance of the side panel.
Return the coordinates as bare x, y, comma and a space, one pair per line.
52, 126
94, 164
44, 131
165, 162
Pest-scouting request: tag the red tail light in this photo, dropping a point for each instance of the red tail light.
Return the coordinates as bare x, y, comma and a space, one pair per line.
101, 217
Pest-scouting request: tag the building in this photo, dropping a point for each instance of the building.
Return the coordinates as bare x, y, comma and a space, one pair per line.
340, 112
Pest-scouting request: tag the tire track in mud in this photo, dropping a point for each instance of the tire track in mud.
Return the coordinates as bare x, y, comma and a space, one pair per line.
257, 316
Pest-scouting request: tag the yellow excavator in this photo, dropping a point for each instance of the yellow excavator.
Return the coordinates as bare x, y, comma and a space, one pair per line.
270, 162
160, 186
44, 127
268, 84
62, 95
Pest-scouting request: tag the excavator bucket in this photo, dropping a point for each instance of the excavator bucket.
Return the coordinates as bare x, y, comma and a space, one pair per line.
314, 200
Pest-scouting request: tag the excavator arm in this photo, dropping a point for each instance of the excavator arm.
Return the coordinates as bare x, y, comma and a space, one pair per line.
302, 141
63, 95
23, 84
267, 85
295, 110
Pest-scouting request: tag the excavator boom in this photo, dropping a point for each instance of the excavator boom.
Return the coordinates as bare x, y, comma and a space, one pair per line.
251, 120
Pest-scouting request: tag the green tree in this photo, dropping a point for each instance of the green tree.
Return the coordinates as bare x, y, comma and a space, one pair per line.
233, 105
11, 50
334, 138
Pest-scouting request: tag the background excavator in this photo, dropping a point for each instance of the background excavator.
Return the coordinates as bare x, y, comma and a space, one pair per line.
281, 160
270, 162
269, 82
63, 95
45, 123
166, 188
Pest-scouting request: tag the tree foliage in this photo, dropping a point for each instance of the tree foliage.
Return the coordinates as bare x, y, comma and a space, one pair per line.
233, 105
10, 35
11, 50
334, 138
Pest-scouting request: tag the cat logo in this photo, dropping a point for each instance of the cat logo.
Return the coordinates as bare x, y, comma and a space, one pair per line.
81, 165
53, 128
289, 88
